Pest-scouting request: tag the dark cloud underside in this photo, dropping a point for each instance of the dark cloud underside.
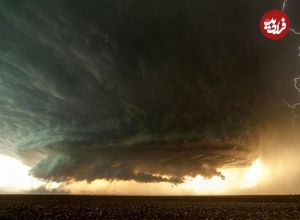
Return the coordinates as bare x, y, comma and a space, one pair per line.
134, 90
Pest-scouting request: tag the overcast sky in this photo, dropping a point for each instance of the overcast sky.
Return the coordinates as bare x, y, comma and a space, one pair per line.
145, 91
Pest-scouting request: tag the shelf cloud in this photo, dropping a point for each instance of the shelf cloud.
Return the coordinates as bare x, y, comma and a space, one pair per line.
151, 91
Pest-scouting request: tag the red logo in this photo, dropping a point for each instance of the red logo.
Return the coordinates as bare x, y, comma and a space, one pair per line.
275, 25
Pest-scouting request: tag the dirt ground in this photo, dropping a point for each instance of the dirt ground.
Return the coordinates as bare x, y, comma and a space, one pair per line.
126, 207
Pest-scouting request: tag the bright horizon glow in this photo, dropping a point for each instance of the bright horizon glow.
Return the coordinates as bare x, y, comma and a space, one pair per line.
15, 178
201, 185
253, 174
236, 180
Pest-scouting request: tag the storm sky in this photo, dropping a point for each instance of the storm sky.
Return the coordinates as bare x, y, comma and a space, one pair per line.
150, 91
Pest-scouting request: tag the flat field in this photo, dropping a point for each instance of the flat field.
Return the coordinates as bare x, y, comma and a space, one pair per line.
148, 207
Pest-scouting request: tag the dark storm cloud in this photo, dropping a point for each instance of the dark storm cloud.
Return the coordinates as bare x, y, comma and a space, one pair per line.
149, 91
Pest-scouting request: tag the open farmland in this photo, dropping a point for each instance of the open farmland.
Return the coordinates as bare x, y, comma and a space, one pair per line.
127, 207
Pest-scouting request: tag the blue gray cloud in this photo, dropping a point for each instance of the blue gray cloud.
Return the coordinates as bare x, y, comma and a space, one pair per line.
131, 90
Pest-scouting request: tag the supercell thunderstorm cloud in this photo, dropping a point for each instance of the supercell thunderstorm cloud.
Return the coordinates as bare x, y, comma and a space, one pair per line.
151, 91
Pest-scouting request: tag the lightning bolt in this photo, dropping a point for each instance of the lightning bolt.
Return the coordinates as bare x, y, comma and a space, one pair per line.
284, 5
294, 31
294, 106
